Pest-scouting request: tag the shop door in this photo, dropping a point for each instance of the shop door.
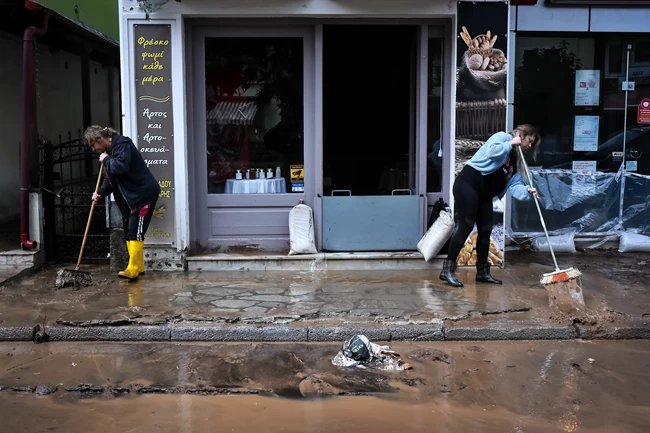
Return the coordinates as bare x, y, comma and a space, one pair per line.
372, 197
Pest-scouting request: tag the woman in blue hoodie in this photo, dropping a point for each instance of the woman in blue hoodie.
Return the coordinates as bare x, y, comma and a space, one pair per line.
494, 170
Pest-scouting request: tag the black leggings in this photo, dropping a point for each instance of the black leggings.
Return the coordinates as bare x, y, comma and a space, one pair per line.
472, 205
135, 223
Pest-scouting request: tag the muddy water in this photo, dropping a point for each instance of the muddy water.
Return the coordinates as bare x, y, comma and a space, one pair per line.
499, 387
258, 414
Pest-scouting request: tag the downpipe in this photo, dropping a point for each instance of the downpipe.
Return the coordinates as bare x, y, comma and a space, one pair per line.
28, 98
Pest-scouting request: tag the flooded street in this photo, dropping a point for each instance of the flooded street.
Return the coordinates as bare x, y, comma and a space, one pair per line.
572, 386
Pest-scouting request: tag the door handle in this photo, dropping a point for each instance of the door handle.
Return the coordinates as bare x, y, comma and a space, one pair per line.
342, 190
401, 190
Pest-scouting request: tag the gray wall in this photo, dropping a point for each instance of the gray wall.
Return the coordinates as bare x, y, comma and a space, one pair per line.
545, 17
59, 106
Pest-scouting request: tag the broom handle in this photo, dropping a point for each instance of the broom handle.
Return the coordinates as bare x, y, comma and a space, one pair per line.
90, 216
539, 210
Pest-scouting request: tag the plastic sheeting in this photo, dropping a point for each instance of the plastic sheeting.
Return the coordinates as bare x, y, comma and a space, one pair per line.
586, 203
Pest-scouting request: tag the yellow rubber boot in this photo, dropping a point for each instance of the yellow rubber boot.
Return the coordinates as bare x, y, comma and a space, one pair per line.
140, 260
137, 249
131, 271
122, 274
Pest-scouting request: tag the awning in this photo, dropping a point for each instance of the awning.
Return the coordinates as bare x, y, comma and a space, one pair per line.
233, 112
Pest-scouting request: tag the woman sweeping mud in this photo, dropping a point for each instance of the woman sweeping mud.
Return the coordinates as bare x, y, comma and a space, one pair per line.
494, 170
135, 189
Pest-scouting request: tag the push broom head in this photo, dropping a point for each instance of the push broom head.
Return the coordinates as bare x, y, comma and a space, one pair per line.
560, 276
74, 278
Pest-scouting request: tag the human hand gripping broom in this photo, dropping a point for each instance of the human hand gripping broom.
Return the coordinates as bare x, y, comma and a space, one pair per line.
559, 275
75, 277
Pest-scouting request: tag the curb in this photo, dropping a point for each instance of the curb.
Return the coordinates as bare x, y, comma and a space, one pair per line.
280, 333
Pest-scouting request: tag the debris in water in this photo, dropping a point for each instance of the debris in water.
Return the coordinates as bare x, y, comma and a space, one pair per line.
43, 389
591, 360
358, 351
39, 334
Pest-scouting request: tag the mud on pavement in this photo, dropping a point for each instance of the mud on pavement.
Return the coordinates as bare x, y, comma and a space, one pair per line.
616, 295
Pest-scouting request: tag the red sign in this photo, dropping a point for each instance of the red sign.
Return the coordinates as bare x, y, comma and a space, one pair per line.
643, 115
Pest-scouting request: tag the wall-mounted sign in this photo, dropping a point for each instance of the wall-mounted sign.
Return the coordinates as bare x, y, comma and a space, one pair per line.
297, 178
587, 88
584, 166
585, 133
155, 125
631, 165
643, 113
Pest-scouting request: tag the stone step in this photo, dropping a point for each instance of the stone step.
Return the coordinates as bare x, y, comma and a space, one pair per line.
312, 262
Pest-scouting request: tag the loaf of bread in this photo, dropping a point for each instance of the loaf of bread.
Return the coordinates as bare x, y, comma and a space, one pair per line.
467, 255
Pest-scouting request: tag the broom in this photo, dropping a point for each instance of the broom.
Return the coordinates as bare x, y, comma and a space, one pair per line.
559, 275
75, 277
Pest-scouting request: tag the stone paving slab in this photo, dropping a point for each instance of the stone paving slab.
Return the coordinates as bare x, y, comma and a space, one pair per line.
328, 306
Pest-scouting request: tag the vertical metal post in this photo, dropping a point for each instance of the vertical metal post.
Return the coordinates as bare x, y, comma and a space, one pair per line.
623, 167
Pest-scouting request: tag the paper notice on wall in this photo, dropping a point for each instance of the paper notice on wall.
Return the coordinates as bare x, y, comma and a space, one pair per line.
585, 134
587, 88
584, 166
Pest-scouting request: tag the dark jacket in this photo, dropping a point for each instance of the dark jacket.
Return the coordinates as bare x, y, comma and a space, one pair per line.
127, 176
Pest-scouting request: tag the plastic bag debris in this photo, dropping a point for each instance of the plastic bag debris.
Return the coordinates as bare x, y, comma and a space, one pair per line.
632, 242
561, 244
585, 203
358, 351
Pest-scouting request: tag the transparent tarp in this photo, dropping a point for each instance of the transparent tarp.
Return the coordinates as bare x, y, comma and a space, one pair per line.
586, 203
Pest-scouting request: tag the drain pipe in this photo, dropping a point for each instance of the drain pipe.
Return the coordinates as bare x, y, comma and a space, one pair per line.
28, 117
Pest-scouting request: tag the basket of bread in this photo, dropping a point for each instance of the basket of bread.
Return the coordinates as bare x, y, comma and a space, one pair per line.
467, 256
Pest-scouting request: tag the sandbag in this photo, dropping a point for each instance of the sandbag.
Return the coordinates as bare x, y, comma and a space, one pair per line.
436, 237
633, 243
561, 244
301, 230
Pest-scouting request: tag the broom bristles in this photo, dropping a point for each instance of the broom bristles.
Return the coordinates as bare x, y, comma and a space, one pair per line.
69, 277
560, 277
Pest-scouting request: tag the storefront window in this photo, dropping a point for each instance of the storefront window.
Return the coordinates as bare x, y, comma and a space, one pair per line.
571, 88
434, 116
254, 114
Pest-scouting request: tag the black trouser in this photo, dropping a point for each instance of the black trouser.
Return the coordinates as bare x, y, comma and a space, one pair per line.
472, 205
136, 222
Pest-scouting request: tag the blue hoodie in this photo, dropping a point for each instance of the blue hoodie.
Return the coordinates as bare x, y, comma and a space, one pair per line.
491, 157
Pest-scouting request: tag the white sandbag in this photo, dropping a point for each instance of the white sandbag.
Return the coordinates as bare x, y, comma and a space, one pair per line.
436, 237
561, 244
301, 230
633, 243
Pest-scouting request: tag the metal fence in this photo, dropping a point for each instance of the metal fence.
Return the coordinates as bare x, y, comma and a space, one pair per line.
68, 175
